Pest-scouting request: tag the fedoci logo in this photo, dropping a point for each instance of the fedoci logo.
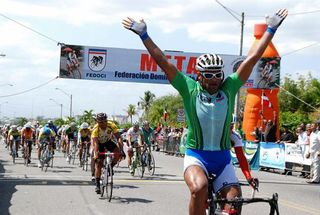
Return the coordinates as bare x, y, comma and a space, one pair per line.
97, 59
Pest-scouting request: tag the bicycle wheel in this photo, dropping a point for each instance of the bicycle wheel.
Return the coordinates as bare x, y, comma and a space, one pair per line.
109, 182
76, 73
151, 164
26, 155
14, 152
51, 161
140, 167
133, 165
103, 181
74, 150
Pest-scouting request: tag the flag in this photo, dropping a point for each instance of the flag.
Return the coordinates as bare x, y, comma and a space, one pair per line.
265, 101
165, 115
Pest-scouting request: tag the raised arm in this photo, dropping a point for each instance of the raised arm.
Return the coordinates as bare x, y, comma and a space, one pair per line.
255, 53
140, 28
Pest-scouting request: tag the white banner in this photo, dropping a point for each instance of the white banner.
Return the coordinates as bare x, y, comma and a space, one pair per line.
131, 65
297, 154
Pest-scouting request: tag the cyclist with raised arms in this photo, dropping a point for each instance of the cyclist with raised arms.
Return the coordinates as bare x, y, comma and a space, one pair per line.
102, 139
208, 104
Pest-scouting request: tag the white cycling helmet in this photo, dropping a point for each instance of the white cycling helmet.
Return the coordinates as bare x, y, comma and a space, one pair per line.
28, 125
136, 124
14, 127
209, 62
84, 125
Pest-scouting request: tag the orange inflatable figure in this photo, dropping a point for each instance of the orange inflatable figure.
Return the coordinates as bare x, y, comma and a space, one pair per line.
262, 104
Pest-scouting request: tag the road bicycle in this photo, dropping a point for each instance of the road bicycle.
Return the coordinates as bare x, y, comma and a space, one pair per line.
14, 150
85, 155
72, 154
214, 203
46, 157
148, 160
106, 179
27, 151
136, 162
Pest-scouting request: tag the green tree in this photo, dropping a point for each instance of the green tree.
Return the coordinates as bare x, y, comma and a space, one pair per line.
21, 121
88, 117
131, 111
145, 103
59, 122
171, 103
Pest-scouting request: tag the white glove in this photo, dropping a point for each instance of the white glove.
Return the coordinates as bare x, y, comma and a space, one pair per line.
139, 28
275, 21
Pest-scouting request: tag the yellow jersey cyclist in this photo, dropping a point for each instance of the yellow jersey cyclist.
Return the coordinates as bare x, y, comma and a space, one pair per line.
13, 135
102, 139
84, 139
46, 135
134, 138
208, 103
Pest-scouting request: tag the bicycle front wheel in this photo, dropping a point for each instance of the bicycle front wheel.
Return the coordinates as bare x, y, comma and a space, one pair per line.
151, 164
140, 168
103, 181
109, 185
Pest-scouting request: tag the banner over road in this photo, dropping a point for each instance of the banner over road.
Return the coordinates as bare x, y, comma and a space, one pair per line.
132, 65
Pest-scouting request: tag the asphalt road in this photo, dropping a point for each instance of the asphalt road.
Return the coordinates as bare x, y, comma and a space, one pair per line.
67, 189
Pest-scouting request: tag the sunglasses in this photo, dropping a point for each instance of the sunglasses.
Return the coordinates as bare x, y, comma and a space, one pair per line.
210, 75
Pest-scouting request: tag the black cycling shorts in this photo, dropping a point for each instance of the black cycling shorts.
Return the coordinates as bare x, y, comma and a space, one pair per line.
108, 146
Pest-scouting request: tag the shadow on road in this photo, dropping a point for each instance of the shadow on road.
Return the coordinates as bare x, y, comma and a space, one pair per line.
123, 200
6, 191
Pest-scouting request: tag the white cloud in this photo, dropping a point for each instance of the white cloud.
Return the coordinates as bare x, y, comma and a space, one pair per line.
32, 60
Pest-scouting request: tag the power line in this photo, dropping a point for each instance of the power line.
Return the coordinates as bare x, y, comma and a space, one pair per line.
35, 31
230, 11
295, 96
308, 46
25, 91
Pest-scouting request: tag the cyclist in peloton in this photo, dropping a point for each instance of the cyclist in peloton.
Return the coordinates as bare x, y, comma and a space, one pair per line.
208, 104
13, 134
45, 135
134, 138
27, 137
70, 132
84, 135
102, 139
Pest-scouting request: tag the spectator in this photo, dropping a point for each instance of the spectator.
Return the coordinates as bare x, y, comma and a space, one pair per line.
286, 136
271, 130
314, 154
258, 133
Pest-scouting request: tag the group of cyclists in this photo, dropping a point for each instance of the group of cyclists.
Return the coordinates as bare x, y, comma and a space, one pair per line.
102, 136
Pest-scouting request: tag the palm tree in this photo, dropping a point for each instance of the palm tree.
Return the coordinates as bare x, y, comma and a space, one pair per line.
87, 117
146, 102
131, 111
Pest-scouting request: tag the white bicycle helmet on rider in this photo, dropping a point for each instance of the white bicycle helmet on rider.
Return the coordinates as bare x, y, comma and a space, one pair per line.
135, 124
84, 125
28, 125
14, 127
210, 63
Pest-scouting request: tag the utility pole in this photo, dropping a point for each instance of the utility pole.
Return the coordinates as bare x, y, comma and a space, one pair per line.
237, 99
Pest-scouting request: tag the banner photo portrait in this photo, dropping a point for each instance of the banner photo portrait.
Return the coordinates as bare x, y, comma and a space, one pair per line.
132, 65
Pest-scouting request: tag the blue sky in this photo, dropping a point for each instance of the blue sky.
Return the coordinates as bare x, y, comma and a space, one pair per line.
189, 25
